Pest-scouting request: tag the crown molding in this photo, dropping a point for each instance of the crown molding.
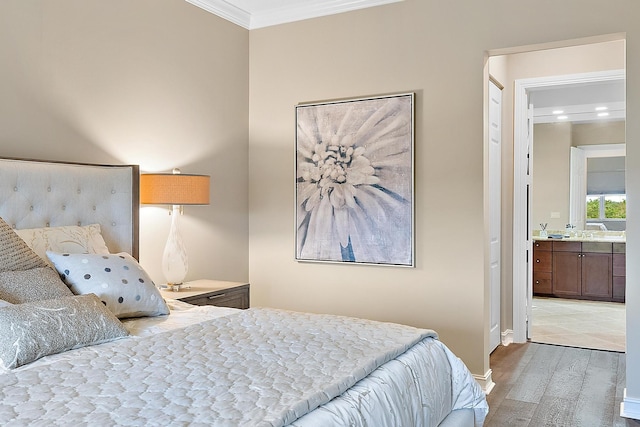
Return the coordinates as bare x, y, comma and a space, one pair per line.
296, 11
299, 12
225, 10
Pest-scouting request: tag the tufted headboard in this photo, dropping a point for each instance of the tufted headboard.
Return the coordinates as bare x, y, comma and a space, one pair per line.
36, 194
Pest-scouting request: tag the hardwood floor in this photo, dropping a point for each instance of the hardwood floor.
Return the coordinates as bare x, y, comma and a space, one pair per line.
549, 385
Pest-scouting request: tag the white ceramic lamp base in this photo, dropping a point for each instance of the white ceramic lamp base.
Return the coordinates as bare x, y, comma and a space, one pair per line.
174, 258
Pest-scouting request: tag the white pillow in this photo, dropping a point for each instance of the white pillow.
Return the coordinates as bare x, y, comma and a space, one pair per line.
117, 279
72, 239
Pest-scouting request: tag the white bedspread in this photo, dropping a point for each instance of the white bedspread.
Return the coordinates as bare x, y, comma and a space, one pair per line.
249, 368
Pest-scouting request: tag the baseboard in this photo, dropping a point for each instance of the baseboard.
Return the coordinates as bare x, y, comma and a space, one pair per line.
507, 337
630, 408
485, 381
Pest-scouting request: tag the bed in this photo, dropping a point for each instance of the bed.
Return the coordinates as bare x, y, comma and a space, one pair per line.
86, 338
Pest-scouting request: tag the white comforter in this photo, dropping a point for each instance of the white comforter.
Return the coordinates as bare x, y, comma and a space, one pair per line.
249, 368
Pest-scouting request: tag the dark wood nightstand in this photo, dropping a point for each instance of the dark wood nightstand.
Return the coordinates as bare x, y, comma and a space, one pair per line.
212, 292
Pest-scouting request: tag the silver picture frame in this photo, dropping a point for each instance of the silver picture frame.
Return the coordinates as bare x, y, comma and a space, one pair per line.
354, 192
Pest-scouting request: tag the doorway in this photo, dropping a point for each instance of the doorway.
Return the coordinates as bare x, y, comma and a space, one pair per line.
549, 206
551, 62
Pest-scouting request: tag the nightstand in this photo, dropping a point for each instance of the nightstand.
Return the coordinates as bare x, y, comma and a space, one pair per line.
212, 292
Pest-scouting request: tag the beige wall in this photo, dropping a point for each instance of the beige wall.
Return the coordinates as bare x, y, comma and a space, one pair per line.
598, 133
435, 49
159, 83
551, 157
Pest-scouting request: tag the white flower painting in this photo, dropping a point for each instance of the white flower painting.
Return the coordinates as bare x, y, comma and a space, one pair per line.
354, 181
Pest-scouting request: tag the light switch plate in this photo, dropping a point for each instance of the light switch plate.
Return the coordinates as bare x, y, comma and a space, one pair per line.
555, 215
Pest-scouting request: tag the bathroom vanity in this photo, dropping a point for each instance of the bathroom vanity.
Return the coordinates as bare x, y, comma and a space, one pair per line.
592, 269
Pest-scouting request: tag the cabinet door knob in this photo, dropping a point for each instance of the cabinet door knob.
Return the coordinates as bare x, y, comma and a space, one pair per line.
537, 282
537, 260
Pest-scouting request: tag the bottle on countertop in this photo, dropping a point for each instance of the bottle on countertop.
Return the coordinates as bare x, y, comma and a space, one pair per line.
567, 230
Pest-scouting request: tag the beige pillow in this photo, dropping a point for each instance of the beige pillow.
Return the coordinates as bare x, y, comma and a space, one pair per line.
70, 239
34, 330
37, 284
14, 252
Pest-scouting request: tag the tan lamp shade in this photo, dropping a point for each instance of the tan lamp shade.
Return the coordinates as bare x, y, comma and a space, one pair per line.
174, 189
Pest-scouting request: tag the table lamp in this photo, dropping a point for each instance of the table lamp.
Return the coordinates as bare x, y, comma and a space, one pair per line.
174, 189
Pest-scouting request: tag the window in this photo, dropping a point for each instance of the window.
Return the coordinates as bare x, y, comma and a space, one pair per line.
606, 206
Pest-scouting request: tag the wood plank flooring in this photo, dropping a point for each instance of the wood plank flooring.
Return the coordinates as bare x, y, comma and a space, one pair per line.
549, 385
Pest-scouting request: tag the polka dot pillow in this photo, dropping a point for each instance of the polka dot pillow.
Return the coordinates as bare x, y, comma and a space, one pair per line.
117, 279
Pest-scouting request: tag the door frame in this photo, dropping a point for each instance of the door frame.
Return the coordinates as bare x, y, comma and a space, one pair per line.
522, 287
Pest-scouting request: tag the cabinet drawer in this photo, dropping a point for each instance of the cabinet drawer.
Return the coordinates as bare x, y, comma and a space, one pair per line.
541, 245
619, 248
597, 247
542, 261
542, 283
567, 246
236, 298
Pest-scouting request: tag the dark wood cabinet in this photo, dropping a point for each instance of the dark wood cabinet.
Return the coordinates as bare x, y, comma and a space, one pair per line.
567, 273
542, 268
597, 270
583, 270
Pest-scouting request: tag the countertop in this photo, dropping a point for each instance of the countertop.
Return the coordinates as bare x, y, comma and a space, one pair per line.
597, 237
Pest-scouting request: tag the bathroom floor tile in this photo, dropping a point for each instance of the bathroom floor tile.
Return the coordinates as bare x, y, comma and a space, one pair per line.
577, 323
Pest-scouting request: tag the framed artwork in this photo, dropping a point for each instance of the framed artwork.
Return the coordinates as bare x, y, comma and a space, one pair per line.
354, 181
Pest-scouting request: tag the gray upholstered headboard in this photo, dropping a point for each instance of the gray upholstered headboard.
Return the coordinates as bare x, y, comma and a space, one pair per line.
37, 194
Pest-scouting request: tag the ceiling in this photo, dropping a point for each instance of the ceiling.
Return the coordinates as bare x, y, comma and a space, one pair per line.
252, 14
579, 102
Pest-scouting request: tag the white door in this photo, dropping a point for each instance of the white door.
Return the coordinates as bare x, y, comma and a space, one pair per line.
529, 229
495, 195
578, 188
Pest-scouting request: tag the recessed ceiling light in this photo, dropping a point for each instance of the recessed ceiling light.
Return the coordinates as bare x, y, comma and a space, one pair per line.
603, 114
563, 117
601, 108
557, 112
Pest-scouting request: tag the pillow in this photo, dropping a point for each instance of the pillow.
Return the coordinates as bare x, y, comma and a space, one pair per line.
36, 329
72, 239
4, 303
14, 252
117, 279
36, 284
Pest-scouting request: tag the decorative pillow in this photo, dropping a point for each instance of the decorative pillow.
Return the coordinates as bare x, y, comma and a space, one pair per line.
36, 284
117, 279
33, 330
72, 239
14, 252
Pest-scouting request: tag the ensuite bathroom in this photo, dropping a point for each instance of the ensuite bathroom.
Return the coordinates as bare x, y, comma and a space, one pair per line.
578, 216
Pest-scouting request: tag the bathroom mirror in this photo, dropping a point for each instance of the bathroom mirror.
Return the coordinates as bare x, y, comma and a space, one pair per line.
578, 149
605, 195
